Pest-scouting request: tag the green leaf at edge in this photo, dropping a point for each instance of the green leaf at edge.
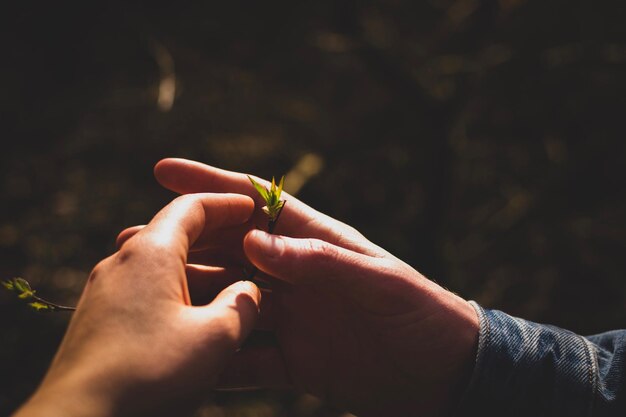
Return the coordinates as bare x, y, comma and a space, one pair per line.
22, 285
260, 189
280, 187
40, 306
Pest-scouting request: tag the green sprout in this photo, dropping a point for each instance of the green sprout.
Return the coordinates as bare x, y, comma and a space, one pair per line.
24, 292
274, 205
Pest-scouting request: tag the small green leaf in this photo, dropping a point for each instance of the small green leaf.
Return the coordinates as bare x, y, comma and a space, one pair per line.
22, 285
260, 189
280, 186
271, 201
24, 291
40, 306
271, 197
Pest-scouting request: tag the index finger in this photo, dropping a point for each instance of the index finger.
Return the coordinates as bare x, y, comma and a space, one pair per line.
298, 220
184, 176
178, 225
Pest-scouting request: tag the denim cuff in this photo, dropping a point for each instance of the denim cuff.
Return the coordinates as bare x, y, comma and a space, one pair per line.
528, 369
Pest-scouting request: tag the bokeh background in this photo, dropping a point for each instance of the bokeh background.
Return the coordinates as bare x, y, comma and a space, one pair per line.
480, 141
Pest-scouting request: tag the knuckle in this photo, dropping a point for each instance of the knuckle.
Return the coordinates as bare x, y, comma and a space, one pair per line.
353, 232
130, 250
185, 199
193, 201
228, 210
144, 249
320, 251
99, 270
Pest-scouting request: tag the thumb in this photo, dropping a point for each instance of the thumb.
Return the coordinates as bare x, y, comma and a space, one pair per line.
307, 261
234, 312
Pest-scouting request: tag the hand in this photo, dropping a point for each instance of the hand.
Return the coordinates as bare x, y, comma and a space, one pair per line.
356, 326
135, 346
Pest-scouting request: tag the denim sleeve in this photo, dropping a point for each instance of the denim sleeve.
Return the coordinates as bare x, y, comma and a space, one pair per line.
528, 369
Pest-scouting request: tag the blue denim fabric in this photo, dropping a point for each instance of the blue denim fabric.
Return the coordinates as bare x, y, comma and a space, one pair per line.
528, 369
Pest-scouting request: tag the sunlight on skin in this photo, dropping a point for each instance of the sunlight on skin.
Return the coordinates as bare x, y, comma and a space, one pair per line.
134, 337
375, 311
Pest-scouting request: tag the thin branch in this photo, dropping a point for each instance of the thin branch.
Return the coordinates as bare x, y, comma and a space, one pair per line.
55, 306
271, 225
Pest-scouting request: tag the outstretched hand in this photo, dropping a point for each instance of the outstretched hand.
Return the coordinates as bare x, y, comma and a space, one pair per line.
355, 325
135, 346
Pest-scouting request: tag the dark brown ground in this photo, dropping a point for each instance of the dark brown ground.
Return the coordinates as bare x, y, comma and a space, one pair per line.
480, 141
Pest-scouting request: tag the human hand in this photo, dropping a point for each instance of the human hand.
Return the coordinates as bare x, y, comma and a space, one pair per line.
355, 326
135, 346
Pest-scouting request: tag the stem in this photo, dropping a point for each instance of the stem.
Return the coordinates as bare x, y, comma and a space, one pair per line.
271, 225
55, 306
252, 273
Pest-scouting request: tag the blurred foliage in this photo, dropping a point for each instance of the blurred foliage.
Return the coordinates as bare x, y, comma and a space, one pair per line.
480, 141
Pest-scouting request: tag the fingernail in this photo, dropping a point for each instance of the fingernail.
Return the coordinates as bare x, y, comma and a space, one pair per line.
248, 287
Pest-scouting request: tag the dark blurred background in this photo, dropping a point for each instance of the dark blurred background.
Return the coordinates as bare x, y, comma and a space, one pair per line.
480, 141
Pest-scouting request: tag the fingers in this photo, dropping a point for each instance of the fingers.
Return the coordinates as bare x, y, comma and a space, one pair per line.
234, 312
255, 367
223, 257
206, 282
305, 261
184, 176
381, 286
221, 248
177, 226
298, 220
127, 234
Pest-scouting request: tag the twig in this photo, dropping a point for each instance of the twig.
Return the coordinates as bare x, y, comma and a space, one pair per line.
271, 225
55, 306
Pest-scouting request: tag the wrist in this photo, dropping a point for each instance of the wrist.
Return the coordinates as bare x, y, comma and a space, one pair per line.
72, 389
444, 345
60, 399
461, 335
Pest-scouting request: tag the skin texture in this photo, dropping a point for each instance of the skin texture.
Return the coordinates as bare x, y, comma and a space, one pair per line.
354, 325
136, 346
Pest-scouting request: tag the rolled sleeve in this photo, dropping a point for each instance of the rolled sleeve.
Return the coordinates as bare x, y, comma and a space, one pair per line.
528, 369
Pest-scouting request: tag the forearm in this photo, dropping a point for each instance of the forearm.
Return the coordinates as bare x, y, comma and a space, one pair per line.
523, 368
59, 401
